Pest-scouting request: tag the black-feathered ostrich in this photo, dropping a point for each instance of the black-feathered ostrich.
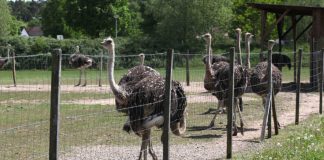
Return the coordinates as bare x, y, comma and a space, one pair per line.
143, 99
281, 60
81, 62
259, 78
217, 76
3, 61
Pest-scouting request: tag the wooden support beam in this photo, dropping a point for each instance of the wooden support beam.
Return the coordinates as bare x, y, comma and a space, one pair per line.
300, 34
276, 23
292, 26
280, 30
262, 33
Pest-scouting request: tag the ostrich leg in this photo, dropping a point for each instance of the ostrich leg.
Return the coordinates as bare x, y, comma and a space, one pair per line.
151, 151
85, 77
79, 79
241, 104
145, 143
219, 110
241, 119
235, 130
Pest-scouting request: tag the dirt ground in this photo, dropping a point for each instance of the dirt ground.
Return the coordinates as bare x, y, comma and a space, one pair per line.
214, 149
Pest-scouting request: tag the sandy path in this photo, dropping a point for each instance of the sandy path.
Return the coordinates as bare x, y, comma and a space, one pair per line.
214, 149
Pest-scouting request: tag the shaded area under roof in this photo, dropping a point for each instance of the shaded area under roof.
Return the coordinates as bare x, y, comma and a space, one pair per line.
277, 8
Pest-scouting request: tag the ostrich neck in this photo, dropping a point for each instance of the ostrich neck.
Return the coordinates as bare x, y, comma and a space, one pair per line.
248, 65
117, 91
238, 44
208, 64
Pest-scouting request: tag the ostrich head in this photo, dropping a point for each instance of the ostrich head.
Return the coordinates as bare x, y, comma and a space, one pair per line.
271, 43
207, 37
238, 31
108, 43
142, 57
77, 49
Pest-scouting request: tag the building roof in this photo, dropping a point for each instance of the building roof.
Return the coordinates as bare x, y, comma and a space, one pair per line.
294, 10
35, 31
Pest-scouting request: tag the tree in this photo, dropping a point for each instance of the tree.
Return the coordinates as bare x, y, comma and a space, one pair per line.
52, 18
179, 21
5, 18
97, 17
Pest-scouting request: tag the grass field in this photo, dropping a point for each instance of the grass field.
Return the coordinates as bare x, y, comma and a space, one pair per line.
71, 76
305, 141
24, 115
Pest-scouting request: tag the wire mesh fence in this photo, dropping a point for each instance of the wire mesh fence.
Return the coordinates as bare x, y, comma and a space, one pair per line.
91, 127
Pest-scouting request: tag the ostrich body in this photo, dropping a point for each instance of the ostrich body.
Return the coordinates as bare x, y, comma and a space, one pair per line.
215, 59
81, 62
259, 78
3, 61
218, 75
281, 60
143, 99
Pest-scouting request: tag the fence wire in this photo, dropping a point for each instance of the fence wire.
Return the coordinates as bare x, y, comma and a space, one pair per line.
92, 128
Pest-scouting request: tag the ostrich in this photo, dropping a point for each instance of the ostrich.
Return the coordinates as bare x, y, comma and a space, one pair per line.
238, 45
248, 39
142, 58
81, 62
217, 75
3, 61
259, 78
281, 60
215, 59
143, 99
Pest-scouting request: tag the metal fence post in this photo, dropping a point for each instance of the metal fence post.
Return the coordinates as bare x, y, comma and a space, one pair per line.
321, 82
230, 105
100, 68
300, 51
167, 105
55, 104
187, 69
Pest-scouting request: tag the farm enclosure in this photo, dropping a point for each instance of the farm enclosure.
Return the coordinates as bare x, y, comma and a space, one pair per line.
91, 128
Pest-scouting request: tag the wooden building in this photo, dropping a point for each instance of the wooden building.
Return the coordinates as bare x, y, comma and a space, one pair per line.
295, 14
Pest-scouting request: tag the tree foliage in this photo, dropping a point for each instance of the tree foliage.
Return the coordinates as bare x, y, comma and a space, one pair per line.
5, 18
96, 17
179, 21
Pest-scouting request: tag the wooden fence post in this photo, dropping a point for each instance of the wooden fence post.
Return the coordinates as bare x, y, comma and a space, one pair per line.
230, 105
167, 106
13, 67
55, 104
267, 111
187, 69
100, 68
300, 51
321, 82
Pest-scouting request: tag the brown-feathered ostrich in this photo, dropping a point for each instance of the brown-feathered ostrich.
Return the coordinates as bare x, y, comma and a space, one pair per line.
259, 78
81, 62
3, 61
217, 76
142, 96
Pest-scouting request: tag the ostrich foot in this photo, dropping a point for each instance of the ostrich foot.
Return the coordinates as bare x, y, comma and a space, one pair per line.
77, 85
151, 151
127, 128
242, 128
210, 111
235, 131
211, 125
84, 85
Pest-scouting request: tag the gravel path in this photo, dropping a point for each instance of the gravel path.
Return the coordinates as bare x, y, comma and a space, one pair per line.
214, 149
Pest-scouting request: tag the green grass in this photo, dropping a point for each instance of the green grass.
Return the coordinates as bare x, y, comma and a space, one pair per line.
305, 141
24, 127
71, 76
